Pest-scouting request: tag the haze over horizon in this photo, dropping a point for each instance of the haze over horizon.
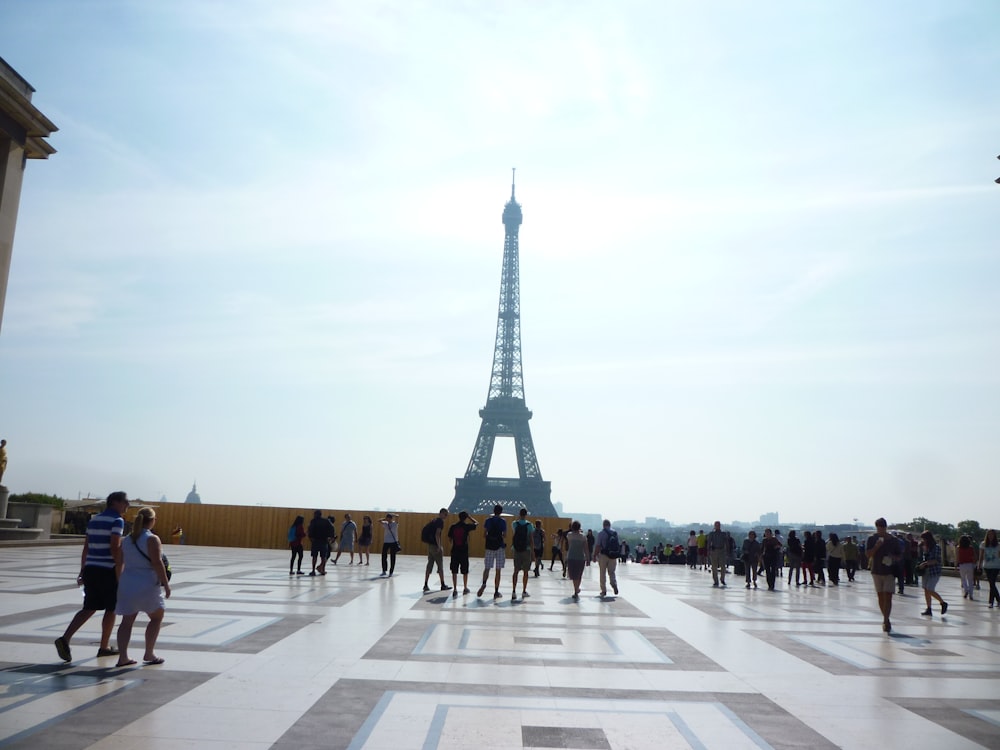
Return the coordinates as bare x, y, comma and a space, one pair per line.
759, 255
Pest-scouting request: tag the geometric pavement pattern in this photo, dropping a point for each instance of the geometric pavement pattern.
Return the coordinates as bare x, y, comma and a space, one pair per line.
258, 659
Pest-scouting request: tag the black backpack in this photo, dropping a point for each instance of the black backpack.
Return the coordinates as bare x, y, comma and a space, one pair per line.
429, 533
612, 547
494, 536
521, 536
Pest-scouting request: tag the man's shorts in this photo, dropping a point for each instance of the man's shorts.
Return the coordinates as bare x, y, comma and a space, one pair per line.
460, 561
434, 554
884, 584
495, 558
320, 550
100, 588
522, 560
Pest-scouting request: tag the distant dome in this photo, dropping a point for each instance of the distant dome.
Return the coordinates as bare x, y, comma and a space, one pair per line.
193, 496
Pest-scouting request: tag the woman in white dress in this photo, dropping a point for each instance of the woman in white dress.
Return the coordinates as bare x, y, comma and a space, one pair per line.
143, 586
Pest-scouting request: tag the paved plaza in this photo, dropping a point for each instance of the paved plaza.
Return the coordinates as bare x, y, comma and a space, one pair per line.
258, 659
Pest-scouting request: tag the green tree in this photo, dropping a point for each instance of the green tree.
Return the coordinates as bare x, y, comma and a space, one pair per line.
972, 528
919, 524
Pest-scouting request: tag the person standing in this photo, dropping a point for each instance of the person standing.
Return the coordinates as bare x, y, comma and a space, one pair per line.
781, 548
606, 556
884, 554
431, 536
296, 533
750, 554
771, 555
365, 540
702, 541
538, 545
143, 587
718, 550
692, 550
930, 568
495, 529
348, 533
808, 557
100, 567
524, 551
989, 561
577, 556
390, 543
320, 530
3, 459
459, 536
820, 563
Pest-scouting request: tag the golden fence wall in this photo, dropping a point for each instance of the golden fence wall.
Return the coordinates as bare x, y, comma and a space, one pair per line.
267, 528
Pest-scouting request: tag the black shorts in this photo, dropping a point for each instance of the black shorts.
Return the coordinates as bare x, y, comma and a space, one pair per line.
460, 561
100, 588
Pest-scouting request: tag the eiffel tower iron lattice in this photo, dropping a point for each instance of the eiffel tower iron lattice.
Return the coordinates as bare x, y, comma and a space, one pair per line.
505, 413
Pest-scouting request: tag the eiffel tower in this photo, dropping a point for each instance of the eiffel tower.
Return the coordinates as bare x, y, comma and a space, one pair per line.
505, 414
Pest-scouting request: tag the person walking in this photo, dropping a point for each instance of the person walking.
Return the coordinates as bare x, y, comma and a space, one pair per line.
144, 586
495, 529
966, 559
750, 555
320, 530
431, 536
989, 561
930, 569
884, 554
390, 543
577, 556
558, 542
458, 533
850, 556
296, 533
348, 533
808, 557
100, 567
538, 545
606, 552
834, 558
365, 540
692, 550
794, 547
524, 551
718, 551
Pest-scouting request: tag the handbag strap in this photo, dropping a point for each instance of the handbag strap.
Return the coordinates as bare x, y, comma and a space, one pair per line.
134, 542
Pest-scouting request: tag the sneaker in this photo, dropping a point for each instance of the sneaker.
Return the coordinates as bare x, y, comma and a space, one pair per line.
445, 587
944, 607
383, 574
455, 593
513, 597
313, 573
927, 613
723, 584
525, 594
604, 594
427, 589
62, 648
886, 627
748, 585
497, 595
715, 585
464, 592
481, 590
614, 587
291, 572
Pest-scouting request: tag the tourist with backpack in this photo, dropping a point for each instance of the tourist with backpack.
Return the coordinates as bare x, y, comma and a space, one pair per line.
538, 543
459, 536
431, 536
524, 552
606, 552
495, 529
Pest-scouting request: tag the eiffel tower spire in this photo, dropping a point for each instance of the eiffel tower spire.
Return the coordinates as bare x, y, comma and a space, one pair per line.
505, 413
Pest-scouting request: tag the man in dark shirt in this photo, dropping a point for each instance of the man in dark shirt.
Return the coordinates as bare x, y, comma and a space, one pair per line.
320, 531
883, 554
718, 552
459, 535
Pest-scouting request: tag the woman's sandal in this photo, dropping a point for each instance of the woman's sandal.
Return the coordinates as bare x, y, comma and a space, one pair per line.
128, 663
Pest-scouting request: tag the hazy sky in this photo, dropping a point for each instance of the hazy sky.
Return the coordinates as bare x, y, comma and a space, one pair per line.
759, 257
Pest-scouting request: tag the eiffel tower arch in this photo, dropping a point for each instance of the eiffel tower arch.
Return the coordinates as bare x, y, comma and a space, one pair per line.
505, 413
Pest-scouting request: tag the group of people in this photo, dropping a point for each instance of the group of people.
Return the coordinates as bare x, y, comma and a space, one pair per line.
322, 535
122, 576
894, 560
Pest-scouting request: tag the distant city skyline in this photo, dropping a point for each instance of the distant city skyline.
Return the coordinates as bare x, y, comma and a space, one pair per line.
758, 256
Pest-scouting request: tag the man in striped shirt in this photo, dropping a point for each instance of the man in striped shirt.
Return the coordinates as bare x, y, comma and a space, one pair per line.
100, 566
